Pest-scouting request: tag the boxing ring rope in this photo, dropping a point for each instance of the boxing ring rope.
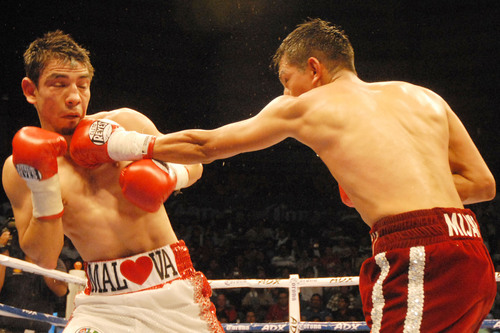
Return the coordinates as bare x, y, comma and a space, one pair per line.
32, 268
293, 284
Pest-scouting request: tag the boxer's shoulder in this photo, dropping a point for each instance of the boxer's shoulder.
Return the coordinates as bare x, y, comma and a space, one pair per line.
126, 117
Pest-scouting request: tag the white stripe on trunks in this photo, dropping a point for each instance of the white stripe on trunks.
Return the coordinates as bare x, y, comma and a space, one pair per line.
378, 293
415, 310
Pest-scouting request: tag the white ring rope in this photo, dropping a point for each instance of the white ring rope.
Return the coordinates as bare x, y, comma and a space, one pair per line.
215, 284
32, 268
294, 283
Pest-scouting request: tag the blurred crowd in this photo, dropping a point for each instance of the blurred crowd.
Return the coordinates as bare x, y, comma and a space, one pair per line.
275, 242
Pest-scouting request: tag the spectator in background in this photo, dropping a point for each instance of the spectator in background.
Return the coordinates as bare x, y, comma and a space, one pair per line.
303, 261
224, 309
329, 260
269, 249
214, 270
283, 258
307, 293
344, 312
282, 238
316, 311
25, 290
257, 300
342, 291
341, 247
278, 312
250, 317
317, 268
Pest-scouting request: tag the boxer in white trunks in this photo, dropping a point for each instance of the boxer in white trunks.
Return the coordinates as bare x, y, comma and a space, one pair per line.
66, 178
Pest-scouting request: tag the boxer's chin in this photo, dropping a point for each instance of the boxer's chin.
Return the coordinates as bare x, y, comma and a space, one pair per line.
67, 131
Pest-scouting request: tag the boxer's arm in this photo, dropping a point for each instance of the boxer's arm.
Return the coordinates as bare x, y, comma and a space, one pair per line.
41, 240
473, 179
132, 120
280, 119
4, 239
59, 288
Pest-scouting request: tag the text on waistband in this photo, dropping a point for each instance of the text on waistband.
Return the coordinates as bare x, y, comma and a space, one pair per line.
111, 276
461, 225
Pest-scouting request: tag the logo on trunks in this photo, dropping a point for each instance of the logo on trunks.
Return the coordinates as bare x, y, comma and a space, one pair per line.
99, 132
461, 225
137, 271
105, 276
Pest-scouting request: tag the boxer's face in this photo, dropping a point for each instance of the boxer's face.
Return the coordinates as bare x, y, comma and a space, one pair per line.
62, 95
296, 81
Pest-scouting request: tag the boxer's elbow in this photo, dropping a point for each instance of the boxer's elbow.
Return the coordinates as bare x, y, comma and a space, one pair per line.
48, 264
484, 189
44, 261
477, 189
489, 188
38, 256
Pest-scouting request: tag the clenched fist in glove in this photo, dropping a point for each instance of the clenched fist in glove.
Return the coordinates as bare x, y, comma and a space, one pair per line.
34, 154
148, 183
98, 141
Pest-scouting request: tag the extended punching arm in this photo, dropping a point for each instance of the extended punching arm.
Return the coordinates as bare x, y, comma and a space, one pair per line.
102, 141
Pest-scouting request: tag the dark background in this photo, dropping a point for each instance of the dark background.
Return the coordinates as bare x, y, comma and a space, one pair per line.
202, 64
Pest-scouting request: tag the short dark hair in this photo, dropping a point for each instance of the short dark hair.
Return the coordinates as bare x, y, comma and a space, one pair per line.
316, 38
54, 45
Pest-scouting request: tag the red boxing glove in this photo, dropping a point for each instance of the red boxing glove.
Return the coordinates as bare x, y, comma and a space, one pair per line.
102, 141
148, 183
35, 151
345, 199
34, 154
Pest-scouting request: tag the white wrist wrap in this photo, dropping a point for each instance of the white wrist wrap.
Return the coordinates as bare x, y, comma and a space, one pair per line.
181, 173
46, 197
128, 145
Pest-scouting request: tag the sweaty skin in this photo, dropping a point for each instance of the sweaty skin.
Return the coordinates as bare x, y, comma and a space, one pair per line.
392, 146
97, 218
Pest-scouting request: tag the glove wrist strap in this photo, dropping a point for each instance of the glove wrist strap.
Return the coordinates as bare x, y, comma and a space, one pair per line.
130, 146
46, 198
182, 174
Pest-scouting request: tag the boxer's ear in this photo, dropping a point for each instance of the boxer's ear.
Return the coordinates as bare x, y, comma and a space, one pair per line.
315, 66
29, 89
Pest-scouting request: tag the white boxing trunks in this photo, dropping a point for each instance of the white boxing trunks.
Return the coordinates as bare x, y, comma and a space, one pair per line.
156, 291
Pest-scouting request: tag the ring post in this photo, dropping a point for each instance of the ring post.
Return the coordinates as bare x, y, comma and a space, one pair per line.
294, 303
74, 289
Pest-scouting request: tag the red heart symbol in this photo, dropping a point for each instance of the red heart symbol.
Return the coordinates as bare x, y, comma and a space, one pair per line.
137, 271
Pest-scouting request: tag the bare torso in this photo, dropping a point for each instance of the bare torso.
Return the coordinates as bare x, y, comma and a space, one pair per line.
99, 220
385, 143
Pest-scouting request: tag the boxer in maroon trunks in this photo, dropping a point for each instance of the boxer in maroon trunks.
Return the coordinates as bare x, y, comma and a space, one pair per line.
394, 148
433, 262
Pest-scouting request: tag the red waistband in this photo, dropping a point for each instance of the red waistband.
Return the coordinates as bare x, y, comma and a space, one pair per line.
143, 271
423, 227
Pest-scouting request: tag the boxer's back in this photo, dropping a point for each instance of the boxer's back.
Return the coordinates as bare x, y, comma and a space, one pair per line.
386, 143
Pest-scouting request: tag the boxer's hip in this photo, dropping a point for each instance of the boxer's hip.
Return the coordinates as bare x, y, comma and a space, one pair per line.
424, 227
